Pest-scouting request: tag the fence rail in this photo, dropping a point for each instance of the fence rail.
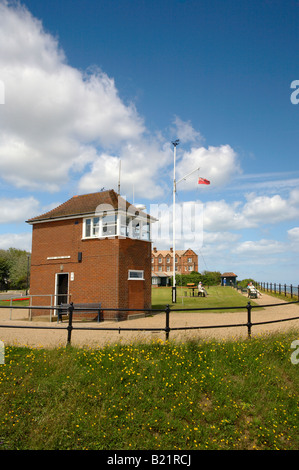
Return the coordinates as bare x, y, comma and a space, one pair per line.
282, 289
71, 308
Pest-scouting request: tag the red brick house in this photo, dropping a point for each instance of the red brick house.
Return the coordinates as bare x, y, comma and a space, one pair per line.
186, 261
93, 248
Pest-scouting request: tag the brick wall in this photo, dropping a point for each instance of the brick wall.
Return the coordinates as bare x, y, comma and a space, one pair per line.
184, 266
101, 276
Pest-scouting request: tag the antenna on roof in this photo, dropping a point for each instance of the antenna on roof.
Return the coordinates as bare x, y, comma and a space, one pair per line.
119, 177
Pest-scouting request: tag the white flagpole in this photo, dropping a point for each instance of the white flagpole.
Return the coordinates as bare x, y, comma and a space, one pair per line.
175, 143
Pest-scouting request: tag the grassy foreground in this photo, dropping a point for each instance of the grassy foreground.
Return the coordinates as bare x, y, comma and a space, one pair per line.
164, 395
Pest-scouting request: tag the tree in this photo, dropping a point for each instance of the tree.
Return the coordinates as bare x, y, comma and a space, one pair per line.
208, 278
4, 272
14, 264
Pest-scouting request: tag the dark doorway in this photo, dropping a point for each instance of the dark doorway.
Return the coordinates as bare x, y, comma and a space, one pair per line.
62, 288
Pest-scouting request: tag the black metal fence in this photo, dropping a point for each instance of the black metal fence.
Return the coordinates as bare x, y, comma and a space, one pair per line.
71, 308
282, 289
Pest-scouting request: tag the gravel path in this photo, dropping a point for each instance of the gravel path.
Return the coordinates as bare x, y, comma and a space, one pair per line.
93, 338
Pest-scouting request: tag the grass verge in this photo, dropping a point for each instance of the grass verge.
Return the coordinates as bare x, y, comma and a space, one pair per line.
163, 395
217, 297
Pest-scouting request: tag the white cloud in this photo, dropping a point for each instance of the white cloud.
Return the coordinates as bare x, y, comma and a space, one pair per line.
22, 241
265, 209
185, 132
254, 213
217, 164
260, 247
54, 115
59, 120
293, 236
141, 163
17, 209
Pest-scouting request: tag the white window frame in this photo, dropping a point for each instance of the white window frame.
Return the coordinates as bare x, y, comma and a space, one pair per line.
140, 273
136, 228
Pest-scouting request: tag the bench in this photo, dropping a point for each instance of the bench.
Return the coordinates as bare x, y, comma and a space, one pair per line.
86, 308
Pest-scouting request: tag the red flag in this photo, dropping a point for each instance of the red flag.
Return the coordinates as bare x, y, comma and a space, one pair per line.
203, 181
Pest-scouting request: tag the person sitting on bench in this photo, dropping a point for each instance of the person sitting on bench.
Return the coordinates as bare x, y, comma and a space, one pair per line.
201, 290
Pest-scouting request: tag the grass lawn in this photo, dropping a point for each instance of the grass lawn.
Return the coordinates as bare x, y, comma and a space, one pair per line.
198, 395
15, 302
218, 296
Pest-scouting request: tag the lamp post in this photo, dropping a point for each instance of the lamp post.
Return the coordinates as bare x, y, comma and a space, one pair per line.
27, 280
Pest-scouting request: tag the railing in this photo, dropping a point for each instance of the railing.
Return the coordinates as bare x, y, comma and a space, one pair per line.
282, 289
71, 308
54, 298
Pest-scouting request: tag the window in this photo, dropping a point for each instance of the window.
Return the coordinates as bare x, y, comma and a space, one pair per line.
136, 275
160, 268
168, 260
189, 260
145, 233
87, 228
95, 226
124, 225
160, 260
167, 268
91, 227
152, 260
111, 224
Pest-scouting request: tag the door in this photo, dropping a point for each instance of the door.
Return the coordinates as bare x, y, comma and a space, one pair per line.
62, 288
136, 294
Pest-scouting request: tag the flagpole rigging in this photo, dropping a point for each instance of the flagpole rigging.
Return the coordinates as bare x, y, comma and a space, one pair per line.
174, 143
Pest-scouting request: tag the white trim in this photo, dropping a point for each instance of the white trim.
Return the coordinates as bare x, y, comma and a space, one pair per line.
139, 220
55, 292
136, 278
56, 219
58, 257
86, 215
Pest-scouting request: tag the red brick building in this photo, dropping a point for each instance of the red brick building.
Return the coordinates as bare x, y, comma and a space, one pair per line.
93, 248
186, 261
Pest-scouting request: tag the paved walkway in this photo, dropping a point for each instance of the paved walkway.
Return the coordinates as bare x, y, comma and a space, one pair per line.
94, 338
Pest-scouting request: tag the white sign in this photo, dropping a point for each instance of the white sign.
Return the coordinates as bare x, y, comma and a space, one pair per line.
2, 355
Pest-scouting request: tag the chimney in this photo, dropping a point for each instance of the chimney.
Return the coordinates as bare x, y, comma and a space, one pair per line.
171, 249
155, 249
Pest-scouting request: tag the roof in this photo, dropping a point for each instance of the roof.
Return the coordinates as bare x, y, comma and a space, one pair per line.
161, 274
87, 204
170, 253
229, 275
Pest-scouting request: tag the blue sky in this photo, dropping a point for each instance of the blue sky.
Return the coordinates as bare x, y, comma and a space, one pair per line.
90, 83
